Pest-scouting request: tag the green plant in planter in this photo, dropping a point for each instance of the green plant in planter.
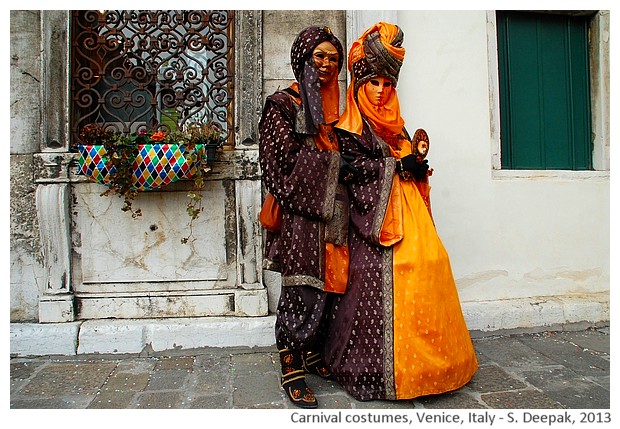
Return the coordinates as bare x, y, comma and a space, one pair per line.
202, 141
198, 142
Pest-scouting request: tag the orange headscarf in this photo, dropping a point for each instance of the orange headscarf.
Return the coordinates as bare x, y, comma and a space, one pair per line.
387, 116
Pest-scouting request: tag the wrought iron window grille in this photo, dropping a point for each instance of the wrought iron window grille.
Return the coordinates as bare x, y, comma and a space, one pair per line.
152, 70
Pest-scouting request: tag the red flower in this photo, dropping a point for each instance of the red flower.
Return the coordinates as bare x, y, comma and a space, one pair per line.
158, 136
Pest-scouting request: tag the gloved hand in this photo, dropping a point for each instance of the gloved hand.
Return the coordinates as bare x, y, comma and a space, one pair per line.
348, 173
417, 169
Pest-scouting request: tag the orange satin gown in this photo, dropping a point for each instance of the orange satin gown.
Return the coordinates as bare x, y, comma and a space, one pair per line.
433, 351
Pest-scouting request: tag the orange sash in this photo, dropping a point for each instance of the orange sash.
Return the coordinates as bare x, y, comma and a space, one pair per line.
392, 227
271, 214
336, 268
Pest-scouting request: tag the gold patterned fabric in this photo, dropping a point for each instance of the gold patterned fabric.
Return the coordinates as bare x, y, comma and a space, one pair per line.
398, 332
433, 352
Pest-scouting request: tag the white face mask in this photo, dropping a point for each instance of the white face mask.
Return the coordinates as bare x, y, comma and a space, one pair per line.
378, 90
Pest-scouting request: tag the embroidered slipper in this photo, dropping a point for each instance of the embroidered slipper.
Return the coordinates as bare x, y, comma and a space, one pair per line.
314, 364
294, 380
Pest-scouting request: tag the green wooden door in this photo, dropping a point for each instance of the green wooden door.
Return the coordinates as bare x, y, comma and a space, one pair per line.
544, 91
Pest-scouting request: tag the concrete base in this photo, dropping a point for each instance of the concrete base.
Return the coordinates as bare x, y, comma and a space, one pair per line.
134, 336
38, 339
156, 335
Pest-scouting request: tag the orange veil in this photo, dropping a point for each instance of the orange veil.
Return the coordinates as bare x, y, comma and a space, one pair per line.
363, 67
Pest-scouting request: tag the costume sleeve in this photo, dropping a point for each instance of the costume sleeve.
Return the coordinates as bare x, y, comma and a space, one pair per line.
370, 194
302, 178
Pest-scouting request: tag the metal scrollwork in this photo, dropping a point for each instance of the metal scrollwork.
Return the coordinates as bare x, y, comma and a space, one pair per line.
145, 70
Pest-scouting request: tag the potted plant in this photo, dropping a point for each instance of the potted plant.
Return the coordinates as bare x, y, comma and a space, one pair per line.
136, 162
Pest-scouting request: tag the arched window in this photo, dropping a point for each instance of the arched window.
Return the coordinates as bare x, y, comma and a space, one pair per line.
135, 70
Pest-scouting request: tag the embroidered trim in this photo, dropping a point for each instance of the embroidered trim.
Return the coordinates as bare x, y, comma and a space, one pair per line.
306, 397
303, 280
313, 363
337, 229
384, 197
330, 192
302, 376
294, 379
388, 322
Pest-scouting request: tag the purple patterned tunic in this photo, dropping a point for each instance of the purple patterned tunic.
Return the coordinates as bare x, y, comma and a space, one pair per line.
356, 350
304, 180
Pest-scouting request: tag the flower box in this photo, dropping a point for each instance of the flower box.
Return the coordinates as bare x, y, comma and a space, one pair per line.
130, 163
155, 165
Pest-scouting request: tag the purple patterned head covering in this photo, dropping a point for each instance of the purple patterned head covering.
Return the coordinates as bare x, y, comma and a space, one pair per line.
306, 73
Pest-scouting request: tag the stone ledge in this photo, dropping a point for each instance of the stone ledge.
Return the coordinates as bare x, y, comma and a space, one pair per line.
135, 336
113, 336
39, 339
536, 312
106, 336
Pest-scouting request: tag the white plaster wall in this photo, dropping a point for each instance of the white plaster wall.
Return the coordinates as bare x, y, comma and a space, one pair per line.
508, 237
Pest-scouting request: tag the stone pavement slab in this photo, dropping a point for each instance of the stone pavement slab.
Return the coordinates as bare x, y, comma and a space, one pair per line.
544, 370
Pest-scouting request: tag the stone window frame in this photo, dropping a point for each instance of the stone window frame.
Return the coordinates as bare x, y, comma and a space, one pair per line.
599, 81
54, 166
56, 79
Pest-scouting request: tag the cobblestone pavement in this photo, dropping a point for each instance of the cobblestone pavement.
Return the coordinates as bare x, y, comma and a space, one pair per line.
545, 370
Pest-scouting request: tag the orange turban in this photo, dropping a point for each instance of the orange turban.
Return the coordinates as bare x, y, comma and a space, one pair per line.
378, 52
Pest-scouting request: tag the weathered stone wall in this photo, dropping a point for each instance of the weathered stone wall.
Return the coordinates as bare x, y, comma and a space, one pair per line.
25, 132
280, 28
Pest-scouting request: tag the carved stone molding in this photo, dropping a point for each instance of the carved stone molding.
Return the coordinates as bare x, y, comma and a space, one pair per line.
55, 85
249, 74
249, 234
56, 302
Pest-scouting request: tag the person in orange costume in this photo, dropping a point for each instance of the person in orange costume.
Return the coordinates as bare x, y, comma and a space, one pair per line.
398, 332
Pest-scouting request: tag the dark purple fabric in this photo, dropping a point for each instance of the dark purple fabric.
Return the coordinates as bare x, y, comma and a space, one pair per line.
306, 73
303, 180
301, 318
291, 165
359, 345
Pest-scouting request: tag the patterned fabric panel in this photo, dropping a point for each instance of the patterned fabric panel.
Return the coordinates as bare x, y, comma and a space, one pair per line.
156, 165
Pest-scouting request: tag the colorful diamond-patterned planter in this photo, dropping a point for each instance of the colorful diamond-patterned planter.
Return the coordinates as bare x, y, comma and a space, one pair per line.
156, 165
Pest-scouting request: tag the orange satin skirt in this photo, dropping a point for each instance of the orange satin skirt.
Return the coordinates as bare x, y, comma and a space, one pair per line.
433, 351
